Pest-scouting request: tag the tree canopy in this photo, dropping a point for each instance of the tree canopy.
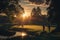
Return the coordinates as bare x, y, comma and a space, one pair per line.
36, 12
55, 9
10, 6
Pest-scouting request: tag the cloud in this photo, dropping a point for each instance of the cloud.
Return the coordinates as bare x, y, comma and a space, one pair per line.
36, 1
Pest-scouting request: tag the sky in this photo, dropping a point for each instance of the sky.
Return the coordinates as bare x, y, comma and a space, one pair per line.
28, 6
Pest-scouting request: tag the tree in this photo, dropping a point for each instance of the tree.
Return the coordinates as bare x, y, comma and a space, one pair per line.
11, 8
56, 8
4, 5
36, 12
33, 12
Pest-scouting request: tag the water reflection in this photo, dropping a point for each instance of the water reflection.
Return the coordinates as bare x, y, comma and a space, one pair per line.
28, 32
35, 27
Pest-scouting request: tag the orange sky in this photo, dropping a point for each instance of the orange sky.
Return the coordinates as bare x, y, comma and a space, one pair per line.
29, 6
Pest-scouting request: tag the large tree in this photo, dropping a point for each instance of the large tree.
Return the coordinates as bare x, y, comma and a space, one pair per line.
11, 8
56, 9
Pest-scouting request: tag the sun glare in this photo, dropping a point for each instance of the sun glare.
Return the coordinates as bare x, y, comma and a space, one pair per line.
26, 15
23, 34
